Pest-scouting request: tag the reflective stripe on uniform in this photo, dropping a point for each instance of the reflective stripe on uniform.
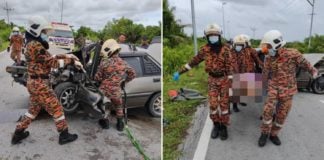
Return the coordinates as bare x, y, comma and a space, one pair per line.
187, 66
267, 122
225, 112
29, 115
278, 125
60, 118
214, 112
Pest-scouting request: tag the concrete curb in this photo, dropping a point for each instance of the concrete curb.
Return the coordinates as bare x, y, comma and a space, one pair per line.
189, 145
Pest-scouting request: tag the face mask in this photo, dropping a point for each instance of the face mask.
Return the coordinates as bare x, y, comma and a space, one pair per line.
272, 52
213, 39
238, 48
44, 37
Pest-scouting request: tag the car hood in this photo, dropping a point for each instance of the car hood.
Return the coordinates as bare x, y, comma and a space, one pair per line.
313, 58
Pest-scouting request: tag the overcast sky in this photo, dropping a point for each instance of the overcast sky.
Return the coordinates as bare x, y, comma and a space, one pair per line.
91, 13
291, 17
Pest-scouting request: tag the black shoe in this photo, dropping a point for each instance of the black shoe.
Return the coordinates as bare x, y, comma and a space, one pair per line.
243, 104
235, 108
104, 123
120, 124
275, 140
223, 132
66, 137
18, 136
215, 131
263, 139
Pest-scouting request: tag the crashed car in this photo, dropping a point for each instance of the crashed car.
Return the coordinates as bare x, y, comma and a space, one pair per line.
305, 79
143, 91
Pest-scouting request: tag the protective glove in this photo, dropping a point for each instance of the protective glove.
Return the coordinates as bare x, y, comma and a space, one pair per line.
78, 65
8, 49
176, 76
315, 74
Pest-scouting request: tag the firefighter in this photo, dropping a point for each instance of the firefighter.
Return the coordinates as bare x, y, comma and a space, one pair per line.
39, 64
280, 74
113, 73
245, 57
218, 64
16, 43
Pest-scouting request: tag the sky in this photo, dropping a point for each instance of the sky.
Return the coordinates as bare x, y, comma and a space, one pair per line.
291, 17
90, 13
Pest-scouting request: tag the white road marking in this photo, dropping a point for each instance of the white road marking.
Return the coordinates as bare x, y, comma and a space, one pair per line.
203, 143
322, 101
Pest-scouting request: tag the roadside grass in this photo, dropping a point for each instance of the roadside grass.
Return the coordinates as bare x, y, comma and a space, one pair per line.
179, 114
4, 45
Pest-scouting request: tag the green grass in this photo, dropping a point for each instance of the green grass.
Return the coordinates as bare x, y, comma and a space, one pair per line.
180, 113
3, 46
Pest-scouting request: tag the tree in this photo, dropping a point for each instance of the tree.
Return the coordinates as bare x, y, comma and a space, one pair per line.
173, 32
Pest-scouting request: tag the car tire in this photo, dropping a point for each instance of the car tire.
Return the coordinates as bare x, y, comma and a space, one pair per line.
155, 105
65, 93
316, 85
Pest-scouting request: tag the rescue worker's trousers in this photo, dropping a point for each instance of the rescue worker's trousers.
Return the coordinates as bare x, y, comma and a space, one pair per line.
272, 124
15, 55
42, 96
114, 93
218, 94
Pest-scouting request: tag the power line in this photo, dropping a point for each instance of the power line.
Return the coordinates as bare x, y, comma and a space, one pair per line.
8, 10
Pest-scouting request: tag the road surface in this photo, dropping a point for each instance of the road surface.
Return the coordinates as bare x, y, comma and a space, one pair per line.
93, 143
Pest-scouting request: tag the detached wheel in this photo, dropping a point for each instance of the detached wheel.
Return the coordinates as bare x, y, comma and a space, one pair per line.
65, 93
318, 85
155, 105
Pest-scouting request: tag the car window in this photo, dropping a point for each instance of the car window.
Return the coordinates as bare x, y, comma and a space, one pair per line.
135, 62
150, 68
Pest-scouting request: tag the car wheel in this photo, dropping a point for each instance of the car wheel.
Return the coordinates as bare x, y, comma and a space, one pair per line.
155, 105
318, 85
65, 93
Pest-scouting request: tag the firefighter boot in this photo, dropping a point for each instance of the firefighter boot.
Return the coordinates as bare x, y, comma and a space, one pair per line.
104, 123
120, 124
263, 139
223, 132
18, 136
66, 137
215, 131
275, 140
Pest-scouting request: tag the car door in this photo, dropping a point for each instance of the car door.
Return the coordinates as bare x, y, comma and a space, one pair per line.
147, 81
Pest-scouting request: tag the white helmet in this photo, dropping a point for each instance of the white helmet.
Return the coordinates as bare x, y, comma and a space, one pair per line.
36, 24
15, 29
247, 39
110, 47
212, 29
273, 38
239, 39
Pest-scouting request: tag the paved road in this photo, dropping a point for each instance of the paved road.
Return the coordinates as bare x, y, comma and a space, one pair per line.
302, 135
93, 143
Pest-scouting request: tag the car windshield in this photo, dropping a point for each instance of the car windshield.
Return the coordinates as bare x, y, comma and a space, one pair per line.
61, 33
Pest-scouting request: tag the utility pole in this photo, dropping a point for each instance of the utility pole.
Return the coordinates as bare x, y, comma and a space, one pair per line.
8, 10
223, 3
62, 12
311, 25
194, 26
253, 30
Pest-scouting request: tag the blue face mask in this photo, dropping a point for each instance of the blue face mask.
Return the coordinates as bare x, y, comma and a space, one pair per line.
238, 48
44, 37
272, 52
213, 39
